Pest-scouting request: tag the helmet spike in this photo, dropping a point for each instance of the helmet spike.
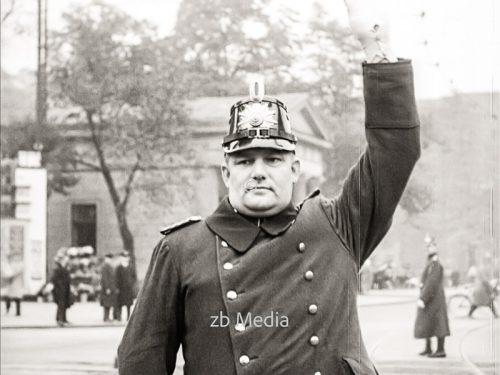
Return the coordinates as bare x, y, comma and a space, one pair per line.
256, 89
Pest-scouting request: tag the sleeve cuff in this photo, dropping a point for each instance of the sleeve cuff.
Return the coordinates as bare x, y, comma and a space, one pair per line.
389, 95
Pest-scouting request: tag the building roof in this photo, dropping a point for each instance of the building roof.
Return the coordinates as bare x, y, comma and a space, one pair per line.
210, 116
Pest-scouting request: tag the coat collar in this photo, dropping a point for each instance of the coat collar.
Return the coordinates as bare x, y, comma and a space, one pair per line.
240, 231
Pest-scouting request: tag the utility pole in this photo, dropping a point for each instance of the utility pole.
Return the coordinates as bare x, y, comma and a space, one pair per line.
41, 82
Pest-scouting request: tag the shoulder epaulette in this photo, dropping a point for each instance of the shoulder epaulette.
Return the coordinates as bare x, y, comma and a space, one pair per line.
312, 195
180, 224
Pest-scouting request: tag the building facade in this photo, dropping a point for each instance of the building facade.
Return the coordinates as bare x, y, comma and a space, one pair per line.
86, 216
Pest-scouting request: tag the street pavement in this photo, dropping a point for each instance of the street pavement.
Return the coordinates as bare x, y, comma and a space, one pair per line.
33, 344
388, 333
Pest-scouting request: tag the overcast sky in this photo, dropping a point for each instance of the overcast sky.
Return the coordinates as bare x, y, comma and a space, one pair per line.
455, 45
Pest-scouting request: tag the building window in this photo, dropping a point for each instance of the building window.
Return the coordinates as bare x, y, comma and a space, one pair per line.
84, 225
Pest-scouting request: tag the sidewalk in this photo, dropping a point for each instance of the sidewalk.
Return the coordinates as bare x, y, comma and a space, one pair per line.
89, 314
43, 315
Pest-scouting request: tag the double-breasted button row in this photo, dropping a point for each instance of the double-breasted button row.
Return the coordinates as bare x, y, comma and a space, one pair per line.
231, 294
312, 309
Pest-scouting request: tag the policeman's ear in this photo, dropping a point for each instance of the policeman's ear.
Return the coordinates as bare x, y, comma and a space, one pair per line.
295, 170
225, 173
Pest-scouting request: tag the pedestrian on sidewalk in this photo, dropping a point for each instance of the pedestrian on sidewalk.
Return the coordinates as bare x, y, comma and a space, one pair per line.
483, 293
15, 284
61, 291
432, 317
108, 286
125, 285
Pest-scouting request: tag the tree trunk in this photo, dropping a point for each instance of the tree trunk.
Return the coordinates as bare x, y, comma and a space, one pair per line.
120, 206
127, 237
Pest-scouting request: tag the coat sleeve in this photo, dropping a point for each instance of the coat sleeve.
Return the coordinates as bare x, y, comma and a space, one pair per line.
152, 337
362, 213
432, 282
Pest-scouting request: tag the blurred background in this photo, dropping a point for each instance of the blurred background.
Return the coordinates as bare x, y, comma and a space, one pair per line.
113, 112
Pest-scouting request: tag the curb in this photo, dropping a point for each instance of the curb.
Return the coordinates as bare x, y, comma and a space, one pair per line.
62, 369
398, 302
66, 327
100, 325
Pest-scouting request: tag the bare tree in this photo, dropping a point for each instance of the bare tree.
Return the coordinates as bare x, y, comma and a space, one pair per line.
121, 84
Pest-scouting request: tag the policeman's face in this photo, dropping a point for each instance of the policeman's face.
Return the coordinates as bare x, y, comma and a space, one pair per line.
260, 180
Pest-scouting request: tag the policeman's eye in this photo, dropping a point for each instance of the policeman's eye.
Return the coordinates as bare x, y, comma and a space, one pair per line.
243, 161
274, 160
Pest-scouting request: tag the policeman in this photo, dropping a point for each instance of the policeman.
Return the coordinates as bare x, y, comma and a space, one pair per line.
264, 287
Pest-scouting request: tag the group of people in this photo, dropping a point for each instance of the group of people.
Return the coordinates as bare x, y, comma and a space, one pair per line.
117, 287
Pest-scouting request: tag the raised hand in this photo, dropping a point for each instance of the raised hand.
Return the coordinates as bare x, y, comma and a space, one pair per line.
371, 27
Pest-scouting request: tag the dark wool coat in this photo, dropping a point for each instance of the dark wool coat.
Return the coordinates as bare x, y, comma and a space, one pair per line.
108, 286
210, 284
125, 286
433, 319
62, 286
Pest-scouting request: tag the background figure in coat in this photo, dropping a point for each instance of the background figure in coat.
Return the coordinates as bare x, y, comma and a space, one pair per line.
125, 286
108, 286
432, 317
62, 290
15, 285
483, 293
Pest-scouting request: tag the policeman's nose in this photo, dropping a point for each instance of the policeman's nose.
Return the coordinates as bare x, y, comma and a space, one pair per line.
258, 171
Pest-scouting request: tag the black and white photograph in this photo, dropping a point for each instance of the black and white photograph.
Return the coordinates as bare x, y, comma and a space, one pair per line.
250, 187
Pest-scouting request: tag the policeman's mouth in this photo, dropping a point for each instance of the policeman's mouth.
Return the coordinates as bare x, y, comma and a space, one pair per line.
254, 186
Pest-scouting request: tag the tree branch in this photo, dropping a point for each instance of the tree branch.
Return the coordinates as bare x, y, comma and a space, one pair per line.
106, 172
9, 12
92, 166
130, 180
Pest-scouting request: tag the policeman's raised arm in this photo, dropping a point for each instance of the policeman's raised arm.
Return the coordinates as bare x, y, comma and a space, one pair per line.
362, 213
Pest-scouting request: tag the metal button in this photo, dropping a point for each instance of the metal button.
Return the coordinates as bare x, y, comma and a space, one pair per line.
314, 340
313, 309
228, 266
240, 327
301, 247
244, 360
224, 243
317, 373
232, 295
309, 275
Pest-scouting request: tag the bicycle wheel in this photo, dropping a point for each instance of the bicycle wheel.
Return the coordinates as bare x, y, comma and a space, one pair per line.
459, 305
